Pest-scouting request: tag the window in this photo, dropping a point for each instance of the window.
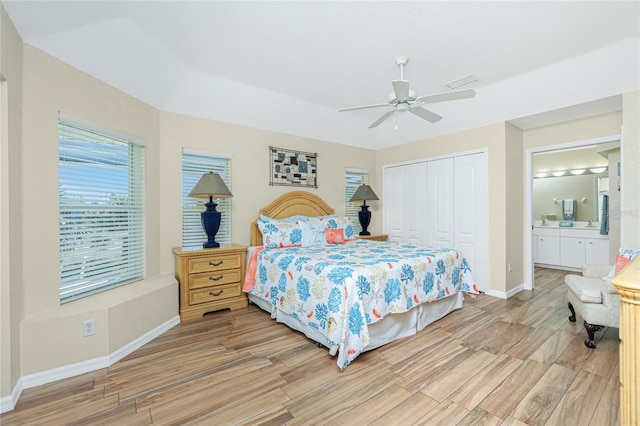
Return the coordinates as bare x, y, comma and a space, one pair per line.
353, 179
101, 191
194, 164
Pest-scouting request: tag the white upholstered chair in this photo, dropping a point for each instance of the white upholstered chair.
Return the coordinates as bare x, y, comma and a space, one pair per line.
595, 299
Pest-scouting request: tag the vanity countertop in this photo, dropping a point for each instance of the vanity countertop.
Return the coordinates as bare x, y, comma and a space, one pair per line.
576, 225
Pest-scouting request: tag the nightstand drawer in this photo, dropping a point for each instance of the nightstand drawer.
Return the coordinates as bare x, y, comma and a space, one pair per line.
211, 294
214, 278
214, 263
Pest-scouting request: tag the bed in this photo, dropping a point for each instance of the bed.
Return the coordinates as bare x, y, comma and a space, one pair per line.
352, 295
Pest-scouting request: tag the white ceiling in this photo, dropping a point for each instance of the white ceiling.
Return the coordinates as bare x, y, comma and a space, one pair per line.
289, 66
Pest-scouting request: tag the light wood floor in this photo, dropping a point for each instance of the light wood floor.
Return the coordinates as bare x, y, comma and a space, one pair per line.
508, 362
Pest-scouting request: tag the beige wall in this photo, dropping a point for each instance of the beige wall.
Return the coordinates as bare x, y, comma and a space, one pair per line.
630, 182
248, 148
514, 223
50, 87
11, 295
575, 130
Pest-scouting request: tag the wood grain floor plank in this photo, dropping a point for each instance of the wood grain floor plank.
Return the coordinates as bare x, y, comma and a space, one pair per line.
538, 405
578, 403
530, 343
447, 413
485, 381
553, 347
323, 407
246, 411
164, 395
575, 355
76, 414
408, 412
479, 417
509, 337
607, 412
604, 358
445, 384
223, 396
373, 408
494, 361
504, 398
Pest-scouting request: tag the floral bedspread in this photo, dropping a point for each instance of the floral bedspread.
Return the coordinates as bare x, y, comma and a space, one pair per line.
340, 289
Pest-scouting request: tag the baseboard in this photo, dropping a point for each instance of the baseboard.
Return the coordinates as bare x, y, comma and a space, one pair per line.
8, 403
507, 294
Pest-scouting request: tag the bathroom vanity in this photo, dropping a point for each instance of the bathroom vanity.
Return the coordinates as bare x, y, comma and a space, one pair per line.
569, 248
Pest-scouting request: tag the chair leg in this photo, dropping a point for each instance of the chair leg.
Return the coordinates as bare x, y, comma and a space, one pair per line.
591, 330
572, 318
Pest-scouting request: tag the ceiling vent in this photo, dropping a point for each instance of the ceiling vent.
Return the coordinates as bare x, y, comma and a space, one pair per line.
467, 79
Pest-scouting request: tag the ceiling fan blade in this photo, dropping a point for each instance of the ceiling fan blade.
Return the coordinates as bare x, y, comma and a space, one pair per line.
363, 107
382, 118
431, 117
401, 89
446, 96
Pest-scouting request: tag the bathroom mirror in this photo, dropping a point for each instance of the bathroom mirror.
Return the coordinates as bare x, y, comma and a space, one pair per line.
576, 173
549, 192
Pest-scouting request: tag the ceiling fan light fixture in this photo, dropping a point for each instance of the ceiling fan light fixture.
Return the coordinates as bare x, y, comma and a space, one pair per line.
404, 99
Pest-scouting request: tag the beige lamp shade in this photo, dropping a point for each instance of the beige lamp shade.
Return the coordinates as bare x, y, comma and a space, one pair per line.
210, 185
363, 193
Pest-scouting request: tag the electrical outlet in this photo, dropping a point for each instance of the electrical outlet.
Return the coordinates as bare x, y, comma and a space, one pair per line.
88, 327
509, 266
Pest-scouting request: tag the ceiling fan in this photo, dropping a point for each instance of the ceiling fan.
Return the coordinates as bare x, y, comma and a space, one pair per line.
404, 99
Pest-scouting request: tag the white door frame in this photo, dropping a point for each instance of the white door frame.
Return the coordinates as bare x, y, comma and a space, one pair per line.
528, 182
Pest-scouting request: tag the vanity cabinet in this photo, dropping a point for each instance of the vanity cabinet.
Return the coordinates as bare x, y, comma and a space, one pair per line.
597, 251
570, 248
547, 246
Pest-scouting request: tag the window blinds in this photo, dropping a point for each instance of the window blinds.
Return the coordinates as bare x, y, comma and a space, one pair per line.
353, 179
101, 192
194, 165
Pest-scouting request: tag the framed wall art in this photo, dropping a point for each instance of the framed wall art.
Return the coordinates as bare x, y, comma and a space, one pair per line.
293, 168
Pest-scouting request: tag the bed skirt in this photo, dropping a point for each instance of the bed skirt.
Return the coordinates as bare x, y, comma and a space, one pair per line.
392, 327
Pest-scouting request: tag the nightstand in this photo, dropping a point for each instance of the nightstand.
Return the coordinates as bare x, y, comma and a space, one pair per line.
381, 237
210, 279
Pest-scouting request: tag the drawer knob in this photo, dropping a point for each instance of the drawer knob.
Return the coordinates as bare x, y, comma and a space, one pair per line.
218, 263
215, 293
215, 278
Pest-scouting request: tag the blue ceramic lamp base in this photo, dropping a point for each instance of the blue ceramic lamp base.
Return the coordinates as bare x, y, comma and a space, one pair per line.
211, 223
364, 216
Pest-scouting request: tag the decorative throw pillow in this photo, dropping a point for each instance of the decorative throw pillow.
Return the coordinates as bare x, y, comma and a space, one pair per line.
341, 222
621, 262
278, 234
624, 253
312, 233
334, 236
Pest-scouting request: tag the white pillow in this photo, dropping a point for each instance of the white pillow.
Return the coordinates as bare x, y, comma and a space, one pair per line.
312, 233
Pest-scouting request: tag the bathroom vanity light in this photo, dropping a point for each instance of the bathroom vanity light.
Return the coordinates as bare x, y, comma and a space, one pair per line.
575, 172
597, 170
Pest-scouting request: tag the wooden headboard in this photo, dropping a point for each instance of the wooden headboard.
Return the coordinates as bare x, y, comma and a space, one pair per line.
290, 204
